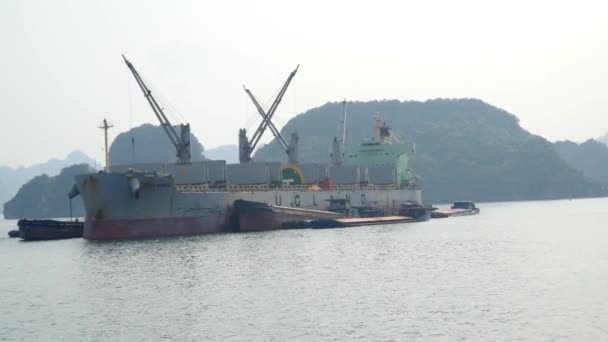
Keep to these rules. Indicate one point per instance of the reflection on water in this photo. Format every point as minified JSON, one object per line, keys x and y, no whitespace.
{"x":534,"y":271}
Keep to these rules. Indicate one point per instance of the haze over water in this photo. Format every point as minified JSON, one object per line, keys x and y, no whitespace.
{"x":527,"y":270}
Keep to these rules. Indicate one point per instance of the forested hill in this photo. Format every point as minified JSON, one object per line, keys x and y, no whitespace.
{"x":47,"y":196}
{"x":151,"y":144}
{"x":590,"y":157}
{"x":11,"y":179}
{"x":466,"y":149}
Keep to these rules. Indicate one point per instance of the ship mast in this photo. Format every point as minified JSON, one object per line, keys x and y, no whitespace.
{"x":181,"y":141}
{"x":337,"y":154}
{"x":105,"y":126}
{"x":246,"y":146}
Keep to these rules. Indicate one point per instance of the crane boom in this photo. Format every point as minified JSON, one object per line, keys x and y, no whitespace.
{"x":181,"y":141}
{"x":266,"y":121}
{"x":268,"y":116}
{"x":247,"y":146}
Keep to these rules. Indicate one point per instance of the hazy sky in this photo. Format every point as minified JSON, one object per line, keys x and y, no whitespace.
{"x":61,"y":71}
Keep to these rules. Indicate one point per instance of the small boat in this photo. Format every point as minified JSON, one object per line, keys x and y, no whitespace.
{"x":462,"y":208}
{"x":13,"y":233}
{"x":30,"y":230}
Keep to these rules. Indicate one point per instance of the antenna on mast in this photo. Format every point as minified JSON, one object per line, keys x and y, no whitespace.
{"x":132,"y":148}
{"x":343,"y":125}
{"x":105,"y":126}
{"x":337,"y":154}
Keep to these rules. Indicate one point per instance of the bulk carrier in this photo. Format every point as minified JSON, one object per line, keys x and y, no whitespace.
{"x":187,"y":198}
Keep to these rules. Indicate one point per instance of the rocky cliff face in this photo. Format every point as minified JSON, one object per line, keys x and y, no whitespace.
{"x":46,"y":197}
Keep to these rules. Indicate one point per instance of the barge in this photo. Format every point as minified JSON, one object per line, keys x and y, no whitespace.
{"x":360,"y":221}
{"x":30,"y":230}
{"x":463,"y":208}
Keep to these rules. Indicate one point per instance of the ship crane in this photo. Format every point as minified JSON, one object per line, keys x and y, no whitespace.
{"x":181,"y":141}
{"x":246,"y":146}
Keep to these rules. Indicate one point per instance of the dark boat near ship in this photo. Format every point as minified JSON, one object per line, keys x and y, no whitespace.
{"x":31,"y":230}
{"x":13,"y":233}
{"x":257,"y":216}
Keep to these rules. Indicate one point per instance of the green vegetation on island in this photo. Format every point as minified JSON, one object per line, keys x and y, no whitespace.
{"x":466,"y":149}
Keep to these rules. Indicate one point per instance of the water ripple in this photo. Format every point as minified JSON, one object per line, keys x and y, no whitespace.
{"x":518,"y":271}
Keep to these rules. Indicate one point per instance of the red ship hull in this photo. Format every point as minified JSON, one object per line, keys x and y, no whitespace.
{"x":138,"y":228}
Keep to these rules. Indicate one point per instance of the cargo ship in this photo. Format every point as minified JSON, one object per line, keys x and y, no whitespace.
{"x":187,"y":198}
{"x":160,"y":203}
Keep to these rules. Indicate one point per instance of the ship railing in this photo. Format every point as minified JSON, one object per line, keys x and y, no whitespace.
{"x":192,"y":187}
{"x":247,"y":187}
{"x":225,"y":187}
{"x":266,"y":187}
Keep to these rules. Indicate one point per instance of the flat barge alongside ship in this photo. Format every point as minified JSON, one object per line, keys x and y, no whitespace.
{"x":463,"y":208}
{"x":31,"y":230}
{"x":360,"y":221}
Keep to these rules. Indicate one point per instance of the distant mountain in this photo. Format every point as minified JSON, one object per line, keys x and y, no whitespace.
{"x":466,"y":149}
{"x":603,"y":139}
{"x":590,"y":157}
{"x":229,"y":153}
{"x":46,"y":197}
{"x":3,"y":192}
{"x":11,"y":179}
{"x":151,"y":145}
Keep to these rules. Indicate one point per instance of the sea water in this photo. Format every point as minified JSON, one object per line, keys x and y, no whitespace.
{"x":534,"y":271}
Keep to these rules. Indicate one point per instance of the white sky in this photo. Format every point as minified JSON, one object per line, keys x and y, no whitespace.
{"x":61,"y":71}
